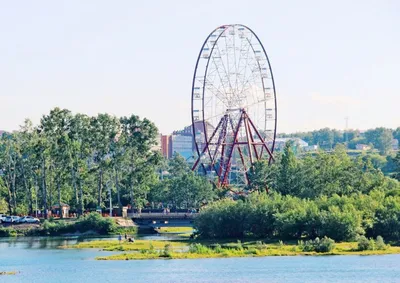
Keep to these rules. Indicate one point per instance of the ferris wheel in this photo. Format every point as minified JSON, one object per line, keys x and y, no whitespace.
{"x":234,"y":108}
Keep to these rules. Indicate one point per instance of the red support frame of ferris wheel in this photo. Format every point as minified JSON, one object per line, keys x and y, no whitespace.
{"x":225,"y":162}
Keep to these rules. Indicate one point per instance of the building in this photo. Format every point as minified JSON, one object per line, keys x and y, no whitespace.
{"x":362,"y":147}
{"x":181,"y":144}
{"x":165,"y":149}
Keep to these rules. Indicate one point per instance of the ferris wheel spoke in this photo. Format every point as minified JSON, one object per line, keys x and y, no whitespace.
{"x":226,"y":73}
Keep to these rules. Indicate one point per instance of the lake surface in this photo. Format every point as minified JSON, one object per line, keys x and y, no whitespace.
{"x":38,"y":260}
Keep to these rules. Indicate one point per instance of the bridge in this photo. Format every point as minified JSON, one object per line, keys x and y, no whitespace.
{"x":157,"y":220}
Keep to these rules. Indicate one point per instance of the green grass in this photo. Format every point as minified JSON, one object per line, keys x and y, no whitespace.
{"x":182,"y":230}
{"x":138,"y":245}
{"x":144,"y":249}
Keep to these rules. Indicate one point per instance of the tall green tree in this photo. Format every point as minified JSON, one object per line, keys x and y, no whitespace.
{"x":381,"y":138}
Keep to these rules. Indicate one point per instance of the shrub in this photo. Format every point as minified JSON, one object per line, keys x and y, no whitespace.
{"x":167,"y":252}
{"x":151,"y":248}
{"x":8,"y":232}
{"x":320,"y":246}
{"x":97,"y":223}
{"x":363,"y":244}
{"x":239,"y":245}
{"x":306,"y":246}
{"x":260,"y":245}
{"x":56,"y":228}
{"x":325,"y":245}
{"x":200,"y":249}
{"x":380,"y":243}
{"x":218,"y":249}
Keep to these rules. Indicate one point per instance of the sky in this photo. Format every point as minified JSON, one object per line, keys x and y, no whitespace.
{"x":330,"y":59}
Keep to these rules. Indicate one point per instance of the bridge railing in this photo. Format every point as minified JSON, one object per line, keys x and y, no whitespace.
{"x":170,"y":215}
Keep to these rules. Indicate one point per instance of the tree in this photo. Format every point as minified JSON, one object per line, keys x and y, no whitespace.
{"x":190,"y":191}
{"x":261,"y":176}
{"x":287,"y":179}
{"x":396,"y":161}
{"x":324,"y":138}
{"x":381,"y":138}
{"x":138,"y":137}
{"x":396,"y":134}
{"x":103,"y":131}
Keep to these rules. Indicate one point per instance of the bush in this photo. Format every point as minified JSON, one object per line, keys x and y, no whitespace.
{"x":218,"y":249}
{"x":167,"y":252}
{"x":239,"y":245}
{"x":363,"y":244}
{"x":91,"y":222}
{"x":260,"y":245}
{"x":200,"y":249}
{"x":380,"y":243}
{"x":325,"y":245}
{"x":97,"y":223}
{"x":56,"y":228}
{"x":8,"y":232}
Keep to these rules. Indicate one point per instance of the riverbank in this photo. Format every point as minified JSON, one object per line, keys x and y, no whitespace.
{"x":185,"y":249}
{"x":90,"y":225}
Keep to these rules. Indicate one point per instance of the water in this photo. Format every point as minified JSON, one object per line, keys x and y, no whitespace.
{"x":37,"y":260}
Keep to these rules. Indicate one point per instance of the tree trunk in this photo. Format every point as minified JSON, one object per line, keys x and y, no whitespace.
{"x":100,"y":187}
{"x":9,"y":200}
{"x":44,"y":189}
{"x":73,"y":175}
{"x":117,"y":187}
{"x":14,"y":188}
{"x":50,"y":186}
{"x":59,"y":193}
{"x":9,"y":192}
{"x":131,"y":192}
{"x":27,"y":189}
{"x":81,"y":207}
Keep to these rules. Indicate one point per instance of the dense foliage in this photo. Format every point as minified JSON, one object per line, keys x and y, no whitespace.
{"x":329,"y":195}
{"x":77,"y":160}
{"x":378,"y":138}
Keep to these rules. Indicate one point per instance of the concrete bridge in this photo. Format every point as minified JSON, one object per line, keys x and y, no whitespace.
{"x":155,"y":220}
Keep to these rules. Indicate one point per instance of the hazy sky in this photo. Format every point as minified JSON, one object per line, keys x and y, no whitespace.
{"x":330,"y":60}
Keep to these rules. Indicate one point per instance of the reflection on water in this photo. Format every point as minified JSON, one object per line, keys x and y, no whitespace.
{"x":45,"y":242}
{"x":55,"y":242}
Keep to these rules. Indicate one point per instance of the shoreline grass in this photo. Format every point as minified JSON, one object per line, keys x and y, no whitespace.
{"x":138,"y":245}
{"x":181,"y":249}
{"x":177,"y":230}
